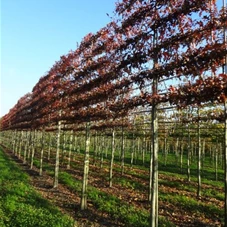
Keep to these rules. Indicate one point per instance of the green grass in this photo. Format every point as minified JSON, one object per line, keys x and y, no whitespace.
{"x":213,"y":193}
{"x":187,"y":203}
{"x":129,"y":183}
{"x":133,"y":216}
{"x":121,"y":210}
{"x":20,"y":205}
{"x":110,"y":204}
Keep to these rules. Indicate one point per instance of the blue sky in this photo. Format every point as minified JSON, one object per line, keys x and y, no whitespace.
{"x":35,"y":33}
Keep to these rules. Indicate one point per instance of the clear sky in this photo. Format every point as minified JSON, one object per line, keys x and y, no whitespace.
{"x":35,"y":33}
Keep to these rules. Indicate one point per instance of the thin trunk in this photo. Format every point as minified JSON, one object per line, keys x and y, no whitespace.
{"x":95,"y":148}
{"x":49,"y":147}
{"x":225,"y":114}
{"x":225,"y":164}
{"x":30,"y":145}
{"x":56,"y":170}
{"x":203,"y":154}
{"x":75,"y":147}
{"x":199,"y":159}
{"x":112,"y":158}
{"x":14,"y":140}
{"x":137,"y":151}
{"x":133,"y":144}
{"x":154,"y":169}
{"x":213,"y":156}
{"x":102,"y":151}
{"x":151,"y":173}
{"x":222,"y":156}
{"x":106,"y":148}
{"x":176,"y":151}
{"x":64,"y":147}
{"x":17,"y":142}
{"x":154,"y":158}
{"x":181,"y":157}
{"x":33,"y":144}
{"x":20,"y":144}
{"x":86,"y":169}
{"x":143,"y":142}
{"x":70,"y":149}
{"x":122,"y":151}
{"x":189,"y":155}
{"x":27,"y":137}
{"x":41,"y":154}
{"x":165,"y":150}
{"x":216,"y":162}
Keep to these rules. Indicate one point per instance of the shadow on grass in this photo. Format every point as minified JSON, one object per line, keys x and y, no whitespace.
{"x":84,"y":218}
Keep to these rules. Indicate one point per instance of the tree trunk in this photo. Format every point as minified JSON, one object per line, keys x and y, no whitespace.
{"x":95,"y":148}
{"x":33,"y":144}
{"x":56,"y":170}
{"x":86,"y":169}
{"x":122,"y":151}
{"x":49,"y":147}
{"x":17,"y":142}
{"x":63,"y":148}
{"x":102,"y":145}
{"x":165,"y":150}
{"x":41,"y":154}
{"x":154,"y":169}
{"x":225,"y":114}
{"x":216,"y":164}
{"x":112,"y":158}
{"x":225,"y":165}
{"x":203,"y":154}
{"x":143,"y":142}
{"x":133,"y":144}
{"x":30,"y":144}
{"x":177,"y":151}
{"x":199,"y":159}
{"x":189,"y":155}
{"x":70,"y":149}
{"x":14,"y":141}
{"x":75,"y":146}
{"x":181,"y":156}
{"x":154,"y":161}
{"x":27,"y":138}
{"x":20,"y":143}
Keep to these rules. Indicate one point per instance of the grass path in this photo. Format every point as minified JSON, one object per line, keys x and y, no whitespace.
{"x":62,"y":198}
{"x":20,"y":204}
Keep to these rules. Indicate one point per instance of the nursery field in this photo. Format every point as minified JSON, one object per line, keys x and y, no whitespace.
{"x":129,"y":129}
{"x":28,"y":199}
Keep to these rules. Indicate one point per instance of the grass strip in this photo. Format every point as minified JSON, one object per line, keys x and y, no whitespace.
{"x":112,"y":205}
{"x":21,"y":205}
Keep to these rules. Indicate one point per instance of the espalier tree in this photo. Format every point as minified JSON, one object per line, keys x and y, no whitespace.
{"x":156,"y":55}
